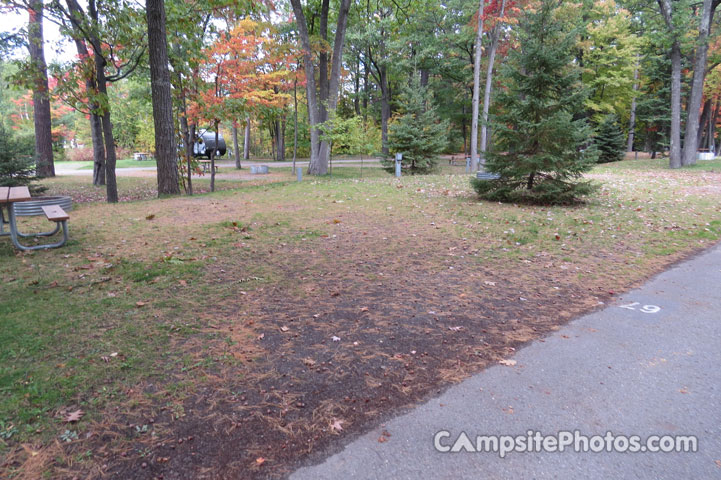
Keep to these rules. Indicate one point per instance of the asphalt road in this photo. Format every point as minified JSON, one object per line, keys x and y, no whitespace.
{"x":649,"y":364}
{"x":76,"y":171}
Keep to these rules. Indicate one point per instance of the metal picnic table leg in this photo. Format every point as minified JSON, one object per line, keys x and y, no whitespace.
{"x":18,"y":245}
{"x":3,"y":222}
{"x":41,"y":234}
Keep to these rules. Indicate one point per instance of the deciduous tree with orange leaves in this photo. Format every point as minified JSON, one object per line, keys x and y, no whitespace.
{"x":245,"y":71}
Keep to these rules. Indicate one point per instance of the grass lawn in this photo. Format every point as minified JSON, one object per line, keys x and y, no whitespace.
{"x":199,"y":335}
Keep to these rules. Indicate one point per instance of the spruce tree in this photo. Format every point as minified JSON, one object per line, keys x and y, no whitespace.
{"x":543,"y":142}
{"x":17,"y":166}
{"x":610,"y":140}
{"x":417,"y":132}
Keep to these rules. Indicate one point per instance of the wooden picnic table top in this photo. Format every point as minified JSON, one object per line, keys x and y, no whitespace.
{"x":14,"y":194}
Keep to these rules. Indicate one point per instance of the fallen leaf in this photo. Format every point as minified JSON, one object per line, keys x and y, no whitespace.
{"x":139,"y":304}
{"x":509,"y":362}
{"x":284,"y":329}
{"x":150,"y":217}
{"x":382,"y":439}
{"x":260,"y":461}
{"x":364,"y":309}
{"x":261,"y":336}
{"x":337,"y":425}
{"x":74,"y":416}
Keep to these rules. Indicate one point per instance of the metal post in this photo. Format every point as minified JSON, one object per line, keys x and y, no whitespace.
{"x":299,"y":173}
{"x":399,"y":158}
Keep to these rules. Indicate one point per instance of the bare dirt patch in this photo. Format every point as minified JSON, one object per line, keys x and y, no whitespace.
{"x":358,"y":324}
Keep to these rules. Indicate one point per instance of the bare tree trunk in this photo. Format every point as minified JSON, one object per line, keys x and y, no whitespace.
{"x":111,"y":186}
{"x":166,"y":154}
{"x":703,"y":123}
{"x":310,"y":87}
{"x":246,"y":140}
{"x":323,"y":86}
{"x":279,"y":139}
{"x":282,"y":137}
{"x":632,"y":115}
{"x":385,"y":108}
{"x":44,"y":165}
{"x":319,"y":151}
{"x":690,"y":146}
{"x":712,"y":129}
{"x":236,"y":152}
{"x":356,"y":88}
{"x":495,"y":39}
{"x":476,"y":87}
{"x":675,"y":147}
{"x":463,"y":130}
{"x":271,"y":131}
{"x":96,"y":135}
{"x":295,"y":122}
{"x":366,"y":91}
{"x":96,"y":126}
{"x":665,"y":7}
{"x":212,"y":157}
{"x":187,"y":140}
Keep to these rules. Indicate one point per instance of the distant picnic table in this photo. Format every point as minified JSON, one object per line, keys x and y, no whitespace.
{"x":206,"y":166}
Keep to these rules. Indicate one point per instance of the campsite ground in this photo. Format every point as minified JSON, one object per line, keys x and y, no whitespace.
{"x":246,"y":330}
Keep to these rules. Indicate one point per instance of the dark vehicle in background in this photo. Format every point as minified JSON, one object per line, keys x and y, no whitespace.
{"x":205,"y":144}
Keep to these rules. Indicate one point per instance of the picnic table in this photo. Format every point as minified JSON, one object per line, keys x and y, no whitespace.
{"x":54,"y":213}
{"x":206,"y":166}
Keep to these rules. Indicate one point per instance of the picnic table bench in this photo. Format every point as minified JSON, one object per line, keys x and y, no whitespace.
{"x":206,"y":166}
{"x":54,"y":213}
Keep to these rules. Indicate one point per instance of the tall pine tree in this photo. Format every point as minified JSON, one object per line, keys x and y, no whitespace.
{"x":543,"y":140}
{"x":417,"y":133}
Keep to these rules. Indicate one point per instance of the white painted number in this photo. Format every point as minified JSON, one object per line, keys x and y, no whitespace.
{"x":644,"y":309}
{"x":629,"y":306}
